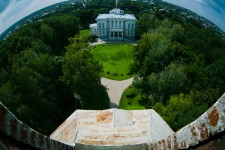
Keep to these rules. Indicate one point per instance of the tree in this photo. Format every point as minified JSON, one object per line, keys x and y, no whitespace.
{"x":81,"y":73}
{"x":145,"y":23}
{"x":179,"y":111}
{"x":169,"y":82}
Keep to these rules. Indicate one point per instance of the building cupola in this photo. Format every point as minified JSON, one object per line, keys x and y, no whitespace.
{"x":117,"y":11}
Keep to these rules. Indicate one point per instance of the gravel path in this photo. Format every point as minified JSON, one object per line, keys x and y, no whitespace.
{"x":115,"y":89}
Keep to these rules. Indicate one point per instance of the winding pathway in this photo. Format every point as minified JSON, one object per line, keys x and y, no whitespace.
{"x":115,"y":89}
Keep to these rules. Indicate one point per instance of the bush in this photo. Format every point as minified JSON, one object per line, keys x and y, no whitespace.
{"x":131,"y":92}
{"x":121,"y":74}
{"x":129,"y":102}
{"x":108,"y":72}
{"x":92,"y":38}
{"x":115,"y":74}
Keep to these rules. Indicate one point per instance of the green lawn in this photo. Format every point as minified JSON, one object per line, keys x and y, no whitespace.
{"x":131,"y":103}
{"x":115,"y":58}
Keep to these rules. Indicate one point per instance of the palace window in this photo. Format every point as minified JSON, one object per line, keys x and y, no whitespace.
{"x":132,"y":26}
{"x":99,"y":25}
{"x":119,"y":23}
{"x":108,"y":24}
{"x":112,"y":24}
{"x":116,"y":24}
{"x":128,"y":26}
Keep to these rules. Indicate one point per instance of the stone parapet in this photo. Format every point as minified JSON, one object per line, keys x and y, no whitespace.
{"x":14,"y":134}
{"x":207,"y":126}
{"x":206,"y":132}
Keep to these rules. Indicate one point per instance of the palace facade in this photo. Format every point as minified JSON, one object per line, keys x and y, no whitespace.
{"x":114,"y":26}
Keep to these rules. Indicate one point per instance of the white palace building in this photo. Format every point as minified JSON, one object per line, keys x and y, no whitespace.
{"x":114,"y":26}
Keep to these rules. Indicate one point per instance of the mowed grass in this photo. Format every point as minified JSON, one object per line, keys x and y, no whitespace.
{"x":116,"y":60}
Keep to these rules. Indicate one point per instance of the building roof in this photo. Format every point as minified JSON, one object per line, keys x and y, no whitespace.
{"x":109,"y":16}
{"x":112,"y":127}
{"x":93,"y":25}
{"x":116,"y":13}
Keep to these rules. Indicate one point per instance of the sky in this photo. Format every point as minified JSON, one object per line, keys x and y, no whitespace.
{"x":11,"y":11}
{"x":213,"y":10}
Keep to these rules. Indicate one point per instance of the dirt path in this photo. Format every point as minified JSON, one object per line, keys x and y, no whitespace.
{"x":115,"y":89}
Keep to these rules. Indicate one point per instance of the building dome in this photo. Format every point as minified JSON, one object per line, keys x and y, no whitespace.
{"x":116,"y":11}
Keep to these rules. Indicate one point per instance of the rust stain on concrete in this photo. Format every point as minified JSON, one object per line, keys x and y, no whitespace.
{"x":41,"y":139}
{"x":13,"y":126}
{"x":193,"y":131}
{"x":84,"y":141}
{"x":169,"y":142}
{"x":23,"y":132}
{"x":213,"y":116}
{"x":32,"y":137}
{"x":164,"y":144}
{"x":183,"y":144}
{"x":105,"y":117}
{"x":204,"y":132}
{"x":175,"y":141}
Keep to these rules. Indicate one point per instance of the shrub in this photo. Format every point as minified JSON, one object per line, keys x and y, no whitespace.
{"x":115,"y":74}
{"x":108,"y":72}
{"x":131,"y":92}
{"x":92,"y":38}
{"x":129,"y":102}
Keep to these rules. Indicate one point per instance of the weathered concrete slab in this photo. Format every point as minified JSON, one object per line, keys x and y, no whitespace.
{"x":113,"y":127}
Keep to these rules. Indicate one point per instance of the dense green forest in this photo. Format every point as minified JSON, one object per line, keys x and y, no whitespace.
{"x":45,"y":77}
{"x":180,"y":69}
{"x":47,"y":71}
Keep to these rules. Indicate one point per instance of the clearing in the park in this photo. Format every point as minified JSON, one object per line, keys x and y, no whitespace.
{"x":116,"y":60}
